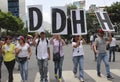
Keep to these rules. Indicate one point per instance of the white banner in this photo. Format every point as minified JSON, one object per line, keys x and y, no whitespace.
{"x":104,"y":21}
{"x":35,"y":18}
{"x":59,"y":20}
{"x":78,"y":22}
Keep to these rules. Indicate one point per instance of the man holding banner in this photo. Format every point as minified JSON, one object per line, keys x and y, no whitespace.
{"x":42,"y":54}
{"x":100,"y":49}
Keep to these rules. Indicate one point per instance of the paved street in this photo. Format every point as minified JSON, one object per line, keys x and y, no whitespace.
{"x":90,"y":68}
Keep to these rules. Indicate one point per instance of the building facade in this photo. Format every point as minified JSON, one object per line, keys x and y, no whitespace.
{"x":79,"y":4}
{"x":13,"y":7}
{"x":3,"y":5}
{"x":16,"y":7}
{"x":94,"y":8}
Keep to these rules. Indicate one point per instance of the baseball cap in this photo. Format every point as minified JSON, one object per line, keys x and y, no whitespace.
{"x":21,"y":38}
{"x":100,"y":31}
{"x":29,"y":36}
{"x":42,"y":31}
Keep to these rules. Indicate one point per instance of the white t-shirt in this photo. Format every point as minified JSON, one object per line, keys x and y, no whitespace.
{"x":42,"y":48}
{"x":91,"y":38}
{"x":79,"y":50}
{"x":24,"y":50}
{"x":113,"y":42}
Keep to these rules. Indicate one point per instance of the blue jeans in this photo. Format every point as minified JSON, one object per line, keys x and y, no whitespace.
{"x":103,"y":57}
{"x":24,"y":70}
{"x":58,"y":66}
{"x":43,"y":68}
{"x":78,"y":60}
{"x":112,"y":50}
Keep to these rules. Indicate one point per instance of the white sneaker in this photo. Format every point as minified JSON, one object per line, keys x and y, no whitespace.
{"x":81,"y":79}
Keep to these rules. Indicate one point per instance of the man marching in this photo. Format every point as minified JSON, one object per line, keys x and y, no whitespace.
{"x":100,"y":49}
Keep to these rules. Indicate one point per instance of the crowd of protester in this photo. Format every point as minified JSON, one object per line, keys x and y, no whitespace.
{"x":21,"y":49}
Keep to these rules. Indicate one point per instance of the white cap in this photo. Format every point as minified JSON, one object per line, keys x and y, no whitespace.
{"x":41,"y":30}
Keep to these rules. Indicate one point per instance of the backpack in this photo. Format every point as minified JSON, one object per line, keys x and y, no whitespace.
{"x":37,"y":45}
{"x":94,"y":37}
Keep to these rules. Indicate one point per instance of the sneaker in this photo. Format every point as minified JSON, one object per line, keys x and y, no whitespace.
{"x":60,"y":79}
{"x":46,"y":80}
{"x":56,"y":76}
{"x":109,"y":77}
{"x":81,"y":79}
{"x":41,"y":80}
{"x":75,"y":75}
{"x":113,"y":60}
{"x":99,"y":75}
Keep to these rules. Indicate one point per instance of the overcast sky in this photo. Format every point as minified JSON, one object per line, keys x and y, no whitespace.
{"x":47,"y":4}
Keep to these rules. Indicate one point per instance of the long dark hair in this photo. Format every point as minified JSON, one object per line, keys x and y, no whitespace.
{"x":8,"y":37}
{"x":74,"y":37}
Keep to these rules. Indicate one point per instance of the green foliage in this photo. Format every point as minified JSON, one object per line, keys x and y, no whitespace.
{"x":70,"y":7}
{"x":10,"y":23}
{"x":48,"y":34}
{"x":92,"y":22}
{"x":114,"y":12}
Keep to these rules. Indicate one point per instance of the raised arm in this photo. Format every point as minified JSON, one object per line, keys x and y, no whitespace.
{"x":77,"y":44}
{"x":48,"y":53}
{"x":34,"y":39}
{"x":83,"y":40}
{"x":51,"y":39}
{"x":29,"y":52}
{"x":61,"y":40}
{"x":110,"y":37}
{"x":95,"y":47}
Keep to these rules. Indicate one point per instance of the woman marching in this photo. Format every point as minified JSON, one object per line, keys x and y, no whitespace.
{"x":9,"y":56}
{"x":24,"y":53}
{"x":78,"y":56}
{"x":58,"y":44}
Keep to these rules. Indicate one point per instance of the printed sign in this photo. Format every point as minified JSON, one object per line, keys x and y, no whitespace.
{"x":59,"y":20}
{"x":78,"y":22}
{"x":104,"y":21}
{"x":35,"y":18}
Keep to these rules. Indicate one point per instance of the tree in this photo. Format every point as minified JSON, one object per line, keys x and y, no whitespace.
{"x":92,"y":22}
{"x":114,"y":14}
{"x":10,"y":23}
